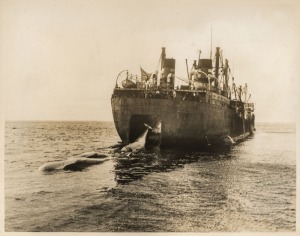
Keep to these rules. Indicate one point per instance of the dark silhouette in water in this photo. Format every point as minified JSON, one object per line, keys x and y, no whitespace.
{"x":75,"y":163}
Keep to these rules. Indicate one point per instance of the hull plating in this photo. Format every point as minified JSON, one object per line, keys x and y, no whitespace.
{"x":182,"y":122}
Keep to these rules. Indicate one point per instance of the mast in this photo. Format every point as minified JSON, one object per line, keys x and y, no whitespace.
{"x":246,"y":92}
{"x":226,"y":75}
{"x":210,"y":42}
{"x":217,"y":62}
{"x":187,"y":69}
{"x":234,"y":89}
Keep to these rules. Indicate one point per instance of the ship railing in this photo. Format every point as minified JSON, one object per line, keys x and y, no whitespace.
{"x":153,"y":90}
{"x":171,"y":94}
{"x":158,"y":92}
{"x":190,"y":95}
{"x":150,"y":84}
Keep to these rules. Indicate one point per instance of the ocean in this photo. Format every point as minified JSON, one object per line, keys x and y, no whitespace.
{"x":248,"y":188}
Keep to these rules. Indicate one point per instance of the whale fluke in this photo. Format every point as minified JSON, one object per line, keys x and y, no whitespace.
{"x":148,"y":126}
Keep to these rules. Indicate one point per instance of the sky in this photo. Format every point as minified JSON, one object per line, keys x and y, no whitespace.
{"x":59,"y":59}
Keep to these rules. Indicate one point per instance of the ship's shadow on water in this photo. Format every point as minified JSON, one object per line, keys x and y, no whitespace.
{"x":144,"y":162}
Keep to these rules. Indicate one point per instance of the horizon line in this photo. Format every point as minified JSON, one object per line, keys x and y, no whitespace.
{"x":56,"y":120}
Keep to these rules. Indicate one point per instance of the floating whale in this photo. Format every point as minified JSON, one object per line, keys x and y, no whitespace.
{"x":93,"y":155}
{"x":228,"y":141}
{"x":139,"y":143}
{"x":75,"y":163}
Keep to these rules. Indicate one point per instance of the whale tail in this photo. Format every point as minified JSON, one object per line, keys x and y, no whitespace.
{"x":148,"y":126}
{"x":139,"y":143}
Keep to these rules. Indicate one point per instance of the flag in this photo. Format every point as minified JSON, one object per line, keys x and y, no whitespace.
{"x":144,"y":75}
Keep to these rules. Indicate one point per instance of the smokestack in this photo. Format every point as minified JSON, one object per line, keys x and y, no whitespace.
{"x":163,"y":56}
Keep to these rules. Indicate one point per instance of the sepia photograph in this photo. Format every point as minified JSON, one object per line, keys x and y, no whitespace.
{"x":155,"y":116}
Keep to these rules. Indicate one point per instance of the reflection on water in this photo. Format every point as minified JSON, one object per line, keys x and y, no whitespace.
{"x":137,"y":165}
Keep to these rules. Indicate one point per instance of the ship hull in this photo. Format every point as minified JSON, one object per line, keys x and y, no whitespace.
{"x":182,"y":123}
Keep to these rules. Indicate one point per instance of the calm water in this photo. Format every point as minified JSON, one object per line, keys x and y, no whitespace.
{"x":251,"y":187}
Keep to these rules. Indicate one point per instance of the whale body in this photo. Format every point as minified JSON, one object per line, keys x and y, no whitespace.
{"x":73,"y":164}
{"x":93,"y":155}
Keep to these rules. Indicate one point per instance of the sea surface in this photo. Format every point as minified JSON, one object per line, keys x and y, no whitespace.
{"x":249,"y":188}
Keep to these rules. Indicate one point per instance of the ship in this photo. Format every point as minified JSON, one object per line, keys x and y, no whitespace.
{"x":205,"y":109}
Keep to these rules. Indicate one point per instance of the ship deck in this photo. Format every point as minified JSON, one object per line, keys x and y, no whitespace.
{"x":203,"y":95}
